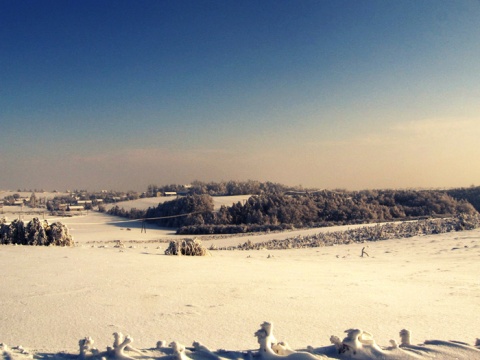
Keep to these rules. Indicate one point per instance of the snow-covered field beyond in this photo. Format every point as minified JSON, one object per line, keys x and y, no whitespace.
{"x":53,"y":297}
{"x":145,"y":203}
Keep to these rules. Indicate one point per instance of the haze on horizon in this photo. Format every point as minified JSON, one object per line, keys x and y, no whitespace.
{"x":326,"y":94}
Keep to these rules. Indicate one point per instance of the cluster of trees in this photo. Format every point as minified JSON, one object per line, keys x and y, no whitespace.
{"x":33,"y":201}
{"x":35,"y":232}
{"x":346,"y":207}
{"x":471,"y":194}
{"x":326,"y":208}
{"x":54,"y":204}
{"x":223,"y":188}
{"x":194,"y":214}
{"x":188,"y":210}
{"x":133,"y":213}
{"x":10,"y":199}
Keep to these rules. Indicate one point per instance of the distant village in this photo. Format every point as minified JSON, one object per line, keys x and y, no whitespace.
{"x":73,"y":201}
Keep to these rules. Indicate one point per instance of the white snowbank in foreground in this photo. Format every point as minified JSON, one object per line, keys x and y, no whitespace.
{"x":357,"y":344}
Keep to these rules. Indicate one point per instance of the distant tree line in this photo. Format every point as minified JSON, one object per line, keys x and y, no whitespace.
{"x":133,"y":213}
{"x":35,"y":232}
{"x":223,"y":188}
{"x":194,"y":214}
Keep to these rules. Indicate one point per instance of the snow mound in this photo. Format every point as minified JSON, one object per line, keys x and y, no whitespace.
{"x":357,"y":344}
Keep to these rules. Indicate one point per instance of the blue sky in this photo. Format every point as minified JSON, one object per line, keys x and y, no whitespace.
{"x":327,"y":94}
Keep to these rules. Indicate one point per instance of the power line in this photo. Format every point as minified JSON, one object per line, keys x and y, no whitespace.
{"x":135,"y":220}
{"x":126,"y":221}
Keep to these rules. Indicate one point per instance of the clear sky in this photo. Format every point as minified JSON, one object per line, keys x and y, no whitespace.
{"x":328,"y":94}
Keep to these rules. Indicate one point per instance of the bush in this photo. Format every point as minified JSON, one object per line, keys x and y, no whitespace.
{"x":189,"y":247}
{"x":58,"y":235}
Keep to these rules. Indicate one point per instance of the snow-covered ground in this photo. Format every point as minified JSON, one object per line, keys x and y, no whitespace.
{"x":53,"y":297}
{"x":145,"y":203}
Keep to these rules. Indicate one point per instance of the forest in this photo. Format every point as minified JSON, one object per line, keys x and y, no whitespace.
{"x":276,"y":207}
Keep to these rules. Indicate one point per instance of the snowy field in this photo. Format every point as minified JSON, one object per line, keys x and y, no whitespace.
{"x":53,"y":297}
{"x":145,"y":203}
